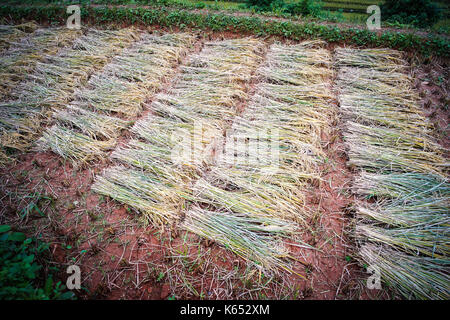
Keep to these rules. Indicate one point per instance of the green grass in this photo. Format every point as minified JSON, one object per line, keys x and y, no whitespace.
{"x":25,"y":270}
{"x":333,"y":10}
{"x":172,"y":17}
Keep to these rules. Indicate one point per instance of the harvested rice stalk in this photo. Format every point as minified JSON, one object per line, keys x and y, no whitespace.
{"x":191,"y":114}
{"x":414,"y":213}
{"x":298,"y":114}
{"x":303,"y":64}
{"x":430,"y":240}
{"x":375,"y":158}
{"x":269,"y":180}
{"x":246,"y":203}
{"x":418,"y":201}
{"x":212,"y":82}
{"x":4,"y":159}
{"x":378,"y":59}
{"x":13,"y":116}
{"x":293,"y":143}
{"x":55,"y":79}
{"x":402,"y":185}
{"x":10,"y":35}
{"x":178,"y":111}
{"x":123,"y":86}
{"x":72,"y":145}
{"x":113,"y":94}
{"x":18,"y":125}
{"x":169,"y":106}
{"x":252,"y":238}
{"x":379,"y":110}
{"x":177,"y":147}
{"x":402,"y":150}
{"x":405,"y":232}
{"x":154,"y":159}
{"x":129,"y":78}
{"x":412,"y":276}
{"x":92,"y":124}
{"x":20,"y":60}
{"x":379,"y":82}
{"x":157,"y":199}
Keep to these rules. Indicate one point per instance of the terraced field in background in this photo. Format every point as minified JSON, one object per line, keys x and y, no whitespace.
{"x":91,"y":115}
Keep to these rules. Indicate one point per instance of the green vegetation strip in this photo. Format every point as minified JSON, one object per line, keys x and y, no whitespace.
{"x":167,"y":17}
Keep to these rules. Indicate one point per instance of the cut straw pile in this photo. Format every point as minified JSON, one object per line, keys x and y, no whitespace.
{"x":283,"y":121}
{"x":91,"y":124}
{"x":54,"y":81}
{"x":405,"y":232}
{"x":10,"y":34}
{"x":259,"y":198}
{"x":253,"y":238}
{"x":24,"y":46}
{"x":204,"y":94}
{"x":44,"y":77}
{"x":21,"y":59}
{"x":246,"y":207}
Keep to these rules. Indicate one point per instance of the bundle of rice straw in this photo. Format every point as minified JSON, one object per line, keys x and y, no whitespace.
{"x":120,"y":89}
{"x":48,"y":77}
{"x":11,"y":34}
{"x":405,"y":232}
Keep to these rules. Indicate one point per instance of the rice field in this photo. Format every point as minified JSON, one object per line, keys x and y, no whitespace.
{"x":48,"y":77}
{"x":404,"y":232}
{"x":227,"y":139}
{"x":219,"y":69}
{"x":89,"y":126}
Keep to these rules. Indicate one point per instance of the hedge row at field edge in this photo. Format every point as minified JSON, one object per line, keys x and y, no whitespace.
{"x":167,"y":17}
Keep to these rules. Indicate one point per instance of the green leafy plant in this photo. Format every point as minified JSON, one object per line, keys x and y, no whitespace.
{"x":21,"y":273}
{"x":304,"y":7}
{"x":262,"y":5}
{"x":421,"y":13}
